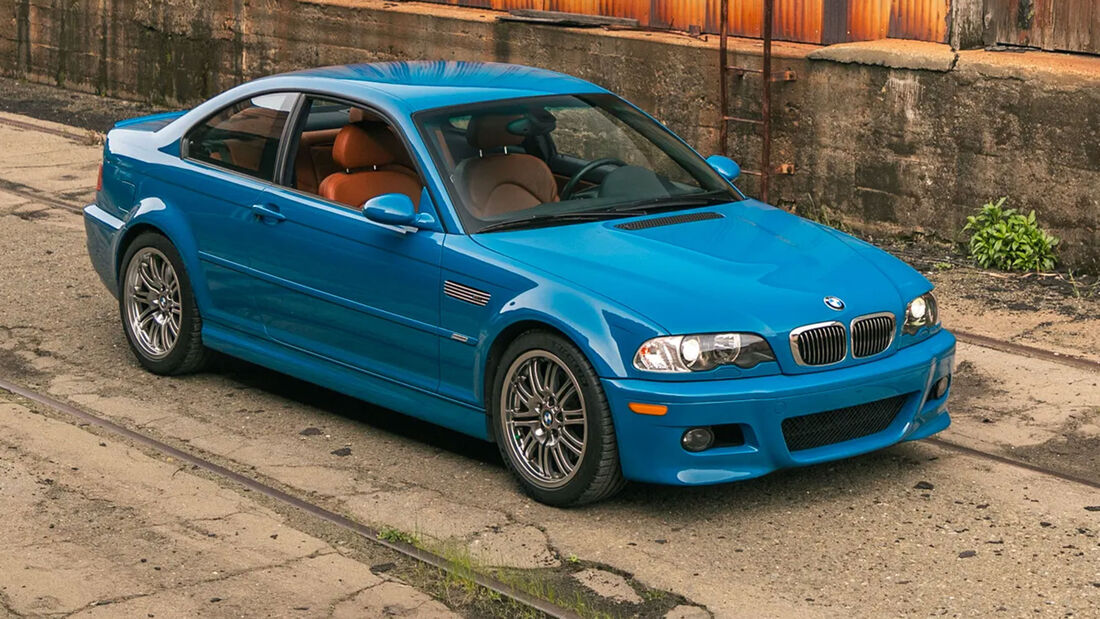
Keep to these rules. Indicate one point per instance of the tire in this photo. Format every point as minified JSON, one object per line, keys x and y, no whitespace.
{"x":150,"y":315}
{"x":538,"y":428}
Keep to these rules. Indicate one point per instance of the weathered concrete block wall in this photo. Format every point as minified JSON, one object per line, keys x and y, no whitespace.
{"x":881,"y":144}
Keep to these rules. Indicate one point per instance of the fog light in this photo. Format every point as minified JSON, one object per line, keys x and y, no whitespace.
{"x":940,"y":388}
{"x":697,"y":439}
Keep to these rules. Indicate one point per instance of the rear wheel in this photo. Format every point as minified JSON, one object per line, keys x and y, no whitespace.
{"x":158,"y":310}
{"x":553,"y":424}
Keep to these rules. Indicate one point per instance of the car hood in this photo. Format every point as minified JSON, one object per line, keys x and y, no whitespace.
{"x":747,"y":266}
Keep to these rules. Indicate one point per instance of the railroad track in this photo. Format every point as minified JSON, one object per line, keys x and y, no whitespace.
{"x":30,"y":193}
{"x":420,"y":555}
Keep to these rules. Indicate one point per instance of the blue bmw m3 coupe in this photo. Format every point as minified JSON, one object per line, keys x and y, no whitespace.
{"x":520,"y":256}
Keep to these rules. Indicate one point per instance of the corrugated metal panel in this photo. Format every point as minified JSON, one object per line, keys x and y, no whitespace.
{"x":683,"y":14}
{"x":1077,"y":26}
{"x":807,"y":21}
{"x":924,"y":20}
{"x":746,"y":18}
{"x":868,"y":19}
{"x":1061,"y":25}
{"x":798,"y":20}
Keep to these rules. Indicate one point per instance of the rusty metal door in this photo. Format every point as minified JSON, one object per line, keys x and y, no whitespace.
{"x":1056,"y":25}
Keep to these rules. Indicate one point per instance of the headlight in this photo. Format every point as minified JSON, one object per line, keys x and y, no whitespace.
{"x":921,"y":312}
{"x":697,"y":353}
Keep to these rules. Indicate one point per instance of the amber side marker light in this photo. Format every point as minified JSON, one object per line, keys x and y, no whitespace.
{"x":648,"y":409}
{"x":99,"y":179}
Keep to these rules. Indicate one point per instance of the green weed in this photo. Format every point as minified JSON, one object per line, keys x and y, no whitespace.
{"x":391,"y":534}
{"x":1007,"y":240}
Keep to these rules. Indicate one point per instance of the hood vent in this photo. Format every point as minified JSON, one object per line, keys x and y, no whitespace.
{"x":670,"y":220}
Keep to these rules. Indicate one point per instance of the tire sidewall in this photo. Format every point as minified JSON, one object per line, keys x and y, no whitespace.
{"x":188,"y":311}
{"x":597,"y":414}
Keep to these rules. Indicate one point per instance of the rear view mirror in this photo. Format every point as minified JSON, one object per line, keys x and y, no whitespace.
{"x":727,"y":168}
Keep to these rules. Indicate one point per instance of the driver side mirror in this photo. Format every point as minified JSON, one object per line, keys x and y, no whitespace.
{"x":725,"y":167}
{"x":395,"y":209}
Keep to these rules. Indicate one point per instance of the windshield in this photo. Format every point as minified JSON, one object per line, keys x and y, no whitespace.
{"x":560,"y":159}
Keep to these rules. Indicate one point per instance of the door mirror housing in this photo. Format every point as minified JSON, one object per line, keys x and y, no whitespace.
{"x":395,"y":209}
{"x":726,"y":168}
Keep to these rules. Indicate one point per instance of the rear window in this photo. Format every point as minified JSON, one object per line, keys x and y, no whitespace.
{"x":244,"y":137}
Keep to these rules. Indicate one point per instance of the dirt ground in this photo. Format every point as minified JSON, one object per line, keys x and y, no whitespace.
{"x":97,"y":528}
{"x":914,"y":529}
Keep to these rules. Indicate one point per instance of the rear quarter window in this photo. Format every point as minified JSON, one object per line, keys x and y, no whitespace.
{"x":243,"y":137}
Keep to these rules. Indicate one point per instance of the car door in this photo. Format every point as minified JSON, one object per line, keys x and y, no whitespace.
{"x":228,"y":161}
{"x":339,"y":286}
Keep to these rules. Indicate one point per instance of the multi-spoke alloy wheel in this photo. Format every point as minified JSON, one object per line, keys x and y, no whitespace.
{"x":153,"y":305}
{"x":552,"y":422}
{"x":544,"y":418}
{"x":157,"y":307}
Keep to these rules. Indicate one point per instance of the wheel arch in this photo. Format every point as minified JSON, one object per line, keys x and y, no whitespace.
{"x":156,"y":216}
{"x":598,"y":331}
{"x":127,"y":238}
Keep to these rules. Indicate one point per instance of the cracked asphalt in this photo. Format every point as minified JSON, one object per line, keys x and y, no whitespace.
{"x":97,"y":528}
{"x":914,"y":529}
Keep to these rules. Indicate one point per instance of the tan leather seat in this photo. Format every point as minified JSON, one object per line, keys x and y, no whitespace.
{"x":314,"y":161}
{"x":362,"y":159}
{"x":497,"y":183}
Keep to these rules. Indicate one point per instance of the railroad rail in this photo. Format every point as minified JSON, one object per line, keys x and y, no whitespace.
{"x":408,"y":550}
{"x":71,"y":135}
{"x":30,"y":193}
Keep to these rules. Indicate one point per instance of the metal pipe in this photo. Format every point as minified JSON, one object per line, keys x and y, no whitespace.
{"x":766,"y":154}
{"x":723,"y":77}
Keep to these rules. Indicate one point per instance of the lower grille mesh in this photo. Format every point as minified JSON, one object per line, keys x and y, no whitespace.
{"x":842,"y":424}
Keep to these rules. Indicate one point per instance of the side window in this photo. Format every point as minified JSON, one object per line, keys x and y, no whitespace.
{"x":243,"y":137}
{"x":348,"y":155}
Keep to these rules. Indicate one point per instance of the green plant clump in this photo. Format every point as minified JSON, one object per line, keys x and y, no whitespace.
{"x":391,"y":534}
{"x":1007,"y":240}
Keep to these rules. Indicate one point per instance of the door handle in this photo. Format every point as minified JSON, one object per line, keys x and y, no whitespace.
{"x":268,"y":213}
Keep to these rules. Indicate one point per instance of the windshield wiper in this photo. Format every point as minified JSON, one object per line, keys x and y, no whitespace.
{"x":709,"y":198}
{"x":537,"y":221}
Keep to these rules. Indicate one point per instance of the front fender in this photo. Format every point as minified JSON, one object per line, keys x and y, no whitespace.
{"x":595,"y":327}
{"x":519,"y":298}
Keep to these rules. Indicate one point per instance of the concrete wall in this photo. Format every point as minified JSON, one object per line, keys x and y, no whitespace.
{"x":895,"y":135}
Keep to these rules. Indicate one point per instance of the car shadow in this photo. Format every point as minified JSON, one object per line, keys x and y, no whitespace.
{"x":309,"y":394}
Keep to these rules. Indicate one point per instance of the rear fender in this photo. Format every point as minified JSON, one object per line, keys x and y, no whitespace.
{"x":157,"y":215}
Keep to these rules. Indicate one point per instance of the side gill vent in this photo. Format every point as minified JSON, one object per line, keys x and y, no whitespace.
{"x":465,"y":293}
{"x":670,"y":220}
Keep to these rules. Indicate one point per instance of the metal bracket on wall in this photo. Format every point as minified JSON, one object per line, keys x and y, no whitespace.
{"x":764,"y":122}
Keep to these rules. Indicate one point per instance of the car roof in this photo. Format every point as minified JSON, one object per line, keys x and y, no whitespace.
{"x":420,"y":85}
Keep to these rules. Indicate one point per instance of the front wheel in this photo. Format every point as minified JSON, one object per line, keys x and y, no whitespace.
{"x":552,"y":422}
{"x":159,"y":314}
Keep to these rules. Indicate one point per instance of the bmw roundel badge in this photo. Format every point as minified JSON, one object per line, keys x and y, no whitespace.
{"x":834,"y":303}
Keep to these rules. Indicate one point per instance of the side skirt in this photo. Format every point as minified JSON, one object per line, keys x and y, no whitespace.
{"x":430,"y":407}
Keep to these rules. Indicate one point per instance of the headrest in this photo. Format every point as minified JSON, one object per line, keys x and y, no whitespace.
{"x":486,"y":132}
{"x":356,"y":115}
{"x":355,"y":148}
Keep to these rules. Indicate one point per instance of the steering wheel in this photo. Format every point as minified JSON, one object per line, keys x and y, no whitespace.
{"x":567,"y":191}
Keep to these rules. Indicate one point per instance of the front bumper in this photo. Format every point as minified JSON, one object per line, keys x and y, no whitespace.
{"x":649,"y":446}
